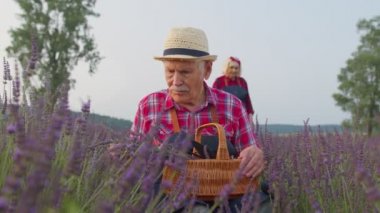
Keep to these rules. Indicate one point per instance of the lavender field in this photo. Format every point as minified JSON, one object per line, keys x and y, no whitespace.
{"x":55,"y":162}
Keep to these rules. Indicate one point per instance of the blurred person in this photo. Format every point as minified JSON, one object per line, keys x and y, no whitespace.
{"x":188,"y":102}
{"x":232,"y":82}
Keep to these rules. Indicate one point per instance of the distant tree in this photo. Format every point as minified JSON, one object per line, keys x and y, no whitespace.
{"x":56,"y":34}
{"x":360,"y":80}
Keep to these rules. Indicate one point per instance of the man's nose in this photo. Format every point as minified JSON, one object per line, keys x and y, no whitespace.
{"x":177,"y":79}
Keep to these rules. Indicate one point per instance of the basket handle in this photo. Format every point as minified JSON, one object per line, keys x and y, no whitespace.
{"x":222,"y":152}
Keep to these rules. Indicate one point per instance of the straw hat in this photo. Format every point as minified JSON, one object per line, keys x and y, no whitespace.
{"x":186,"y":43}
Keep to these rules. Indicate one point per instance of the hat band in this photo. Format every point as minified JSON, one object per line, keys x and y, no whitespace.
{"x":184,"y":51}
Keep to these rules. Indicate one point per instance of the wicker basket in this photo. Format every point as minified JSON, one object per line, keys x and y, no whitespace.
{"x":211,"y":174}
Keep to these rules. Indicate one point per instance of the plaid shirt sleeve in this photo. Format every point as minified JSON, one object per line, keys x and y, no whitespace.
{"x":148,"y":111}
{"x":244,"y":132}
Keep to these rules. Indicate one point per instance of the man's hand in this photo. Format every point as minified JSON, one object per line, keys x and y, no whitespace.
{"x":252,"y":161}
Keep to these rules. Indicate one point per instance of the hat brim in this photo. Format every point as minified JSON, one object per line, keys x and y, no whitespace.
{"x":185,"y":58}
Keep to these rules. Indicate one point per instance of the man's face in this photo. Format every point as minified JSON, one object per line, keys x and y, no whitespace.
{"x":233,"y":69}
{"x":185,"y":81}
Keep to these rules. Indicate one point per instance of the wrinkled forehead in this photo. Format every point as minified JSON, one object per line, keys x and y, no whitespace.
{"x":183,"y":64}
{"x":180,"y":62}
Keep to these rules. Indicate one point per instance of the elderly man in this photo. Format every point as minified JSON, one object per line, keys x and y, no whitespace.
{"x":189,"y":102}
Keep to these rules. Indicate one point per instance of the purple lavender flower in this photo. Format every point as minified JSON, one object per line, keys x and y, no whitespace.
{"x":373,"y":194}
{"x":7,"y":72}
{"x":165,"y":184}
{"x":129,"y":179}
{"x":361,"y":173}
{"x":44,"y":153}
{"x":3,"y":204}
{"x":86,"y":109}
{"x":16,"y":86}
{"x":106,"y":207}
{"x":5,"y":63}
{"x":5,"y":104}
{"x":11,"y":128}
{"x":76,"y":159}
{"x":34,"y":56}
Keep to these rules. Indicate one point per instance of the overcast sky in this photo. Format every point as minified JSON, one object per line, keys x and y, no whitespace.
{"x":291,"y":51}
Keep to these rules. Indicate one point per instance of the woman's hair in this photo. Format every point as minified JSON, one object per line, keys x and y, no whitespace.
{"x":227,"y":64}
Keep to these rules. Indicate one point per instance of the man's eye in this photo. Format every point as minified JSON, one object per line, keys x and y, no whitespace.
{"x":185,"y":72}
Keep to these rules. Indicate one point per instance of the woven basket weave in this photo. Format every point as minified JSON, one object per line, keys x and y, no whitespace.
{"x":211,"y":174}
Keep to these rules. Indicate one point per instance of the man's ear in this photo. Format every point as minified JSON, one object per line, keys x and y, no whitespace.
{"x":208,"y":69}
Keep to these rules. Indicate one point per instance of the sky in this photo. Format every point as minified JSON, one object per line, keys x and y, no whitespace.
{"x":291,"y":51}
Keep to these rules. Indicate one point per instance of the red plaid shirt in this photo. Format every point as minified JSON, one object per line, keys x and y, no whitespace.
{"x":154,"y":111}
{"x":223,"y":81}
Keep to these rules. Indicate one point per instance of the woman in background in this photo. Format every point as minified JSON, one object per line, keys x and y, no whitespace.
{"x":232,"y":82}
